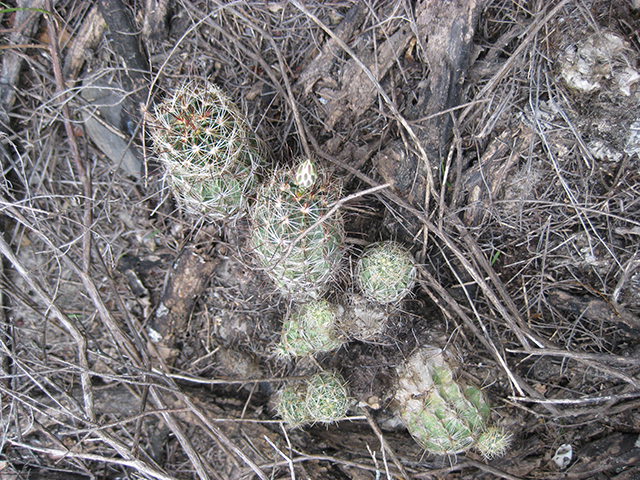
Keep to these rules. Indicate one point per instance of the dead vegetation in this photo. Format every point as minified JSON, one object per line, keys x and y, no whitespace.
{"x":509,"y":135}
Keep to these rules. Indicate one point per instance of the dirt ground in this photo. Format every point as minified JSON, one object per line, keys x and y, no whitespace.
{"x":507,"y":133}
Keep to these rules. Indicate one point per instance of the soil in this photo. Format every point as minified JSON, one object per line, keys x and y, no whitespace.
{"x":139,"y":341}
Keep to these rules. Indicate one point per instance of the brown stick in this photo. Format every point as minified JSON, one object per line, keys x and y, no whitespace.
{"x":385,"y":445}
{"x":85,"y":176}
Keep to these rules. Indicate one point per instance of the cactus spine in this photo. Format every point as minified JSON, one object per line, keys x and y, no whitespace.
{"x":324,"y":399}
{"x":386,"y":272}
{"x":444,"y":415}
{"x":300,"y":252}
{"x":311,"y":330}
{"x":210,"y":155}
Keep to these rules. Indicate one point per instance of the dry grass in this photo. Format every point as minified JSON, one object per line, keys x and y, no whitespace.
{"x":539,"y":292}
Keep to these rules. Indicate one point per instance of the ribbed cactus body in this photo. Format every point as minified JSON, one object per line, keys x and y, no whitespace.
{"x":386,"y":272}
{"x":323,"y":398}
{"x":284,"y":210}
{"x":311,"y":329}
{"x":209,"y":153}
{"x":443,"y":414}
{"x":292,"y":405}
{"x":327,"y":397}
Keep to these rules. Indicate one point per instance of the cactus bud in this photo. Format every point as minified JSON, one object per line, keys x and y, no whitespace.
{"x":306,"y":175}
{"x":493,"y":443}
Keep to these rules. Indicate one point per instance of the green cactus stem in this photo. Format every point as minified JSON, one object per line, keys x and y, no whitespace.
{"x":210,"y":155}
{"x":310,"y":330}
{"x":299,"y":248}
{"x":324,"y":398}
{"x":386,"y":272}
{"x":443,"y":414}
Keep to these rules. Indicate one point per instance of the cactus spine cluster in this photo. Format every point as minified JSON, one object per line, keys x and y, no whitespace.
{"x":322,"y":399}
{"x":311,"y":329}
{"x":299,"y":248}
{"x":209,"y":152}
{"x":386,"y":272}
{"x":443,"y":414}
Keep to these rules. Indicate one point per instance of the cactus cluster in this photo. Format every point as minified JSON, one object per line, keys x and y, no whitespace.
{"x":299,"y":248}
{"x":445,"y":415}
{"x":210,"y":155}
{"x":311,"y":329}
{"x":386,"y":272}
{"x":322,"y":399}
{"x":212,"y":162}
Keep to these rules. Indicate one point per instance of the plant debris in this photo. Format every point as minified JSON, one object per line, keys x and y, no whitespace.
{"x":498,"y":141}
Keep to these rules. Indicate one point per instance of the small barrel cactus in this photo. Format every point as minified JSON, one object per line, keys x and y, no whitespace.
{"x":210,"y":155}
{"x":493,"y":443}
{"x":323,"y":398}
{"x":443,"y":414}
{"x":327,"y":397}
{"x":292,"y":405}
{"x":299,"y":251}
{"x":311,"y":329}
{"x":386,"y":272}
